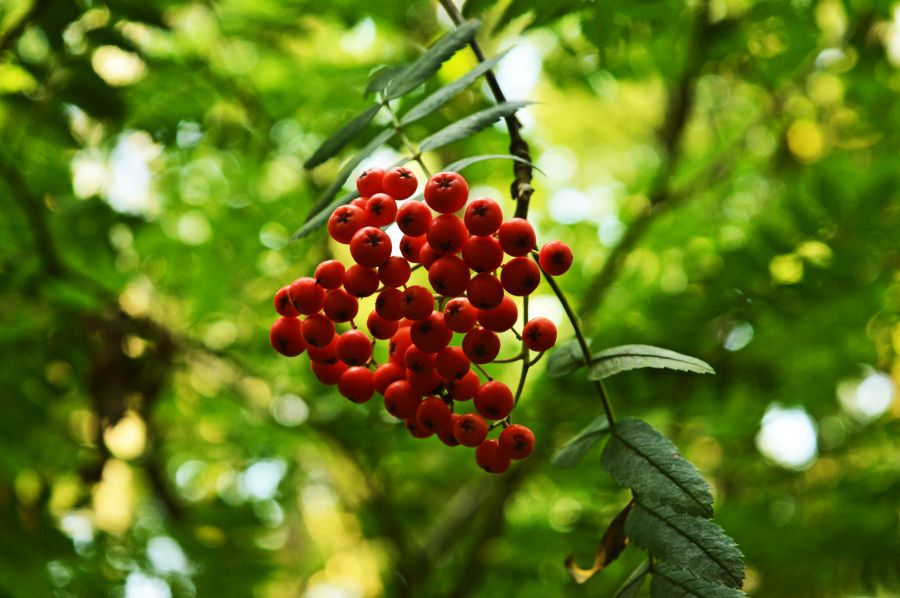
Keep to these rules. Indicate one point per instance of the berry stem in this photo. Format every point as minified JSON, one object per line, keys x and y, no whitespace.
{"x":416,"y":155}
{"x":525,"y":362}
{"x":585,"y":351}
{"x":510,"y":359}
{"x":481,"y":369}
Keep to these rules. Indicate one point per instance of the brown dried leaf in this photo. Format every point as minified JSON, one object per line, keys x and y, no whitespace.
{"x":611,"y":546}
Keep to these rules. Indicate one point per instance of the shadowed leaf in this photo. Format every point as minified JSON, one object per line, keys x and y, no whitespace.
{"x":611,"y":546}
{"x":640,"y":458}
{"x":466,"y":162}
{"x":632,"y":585}
{"x":470,"y":125}
{"x":695,"y":543}
{"x":336,"y":142}
{"x":566,"y":358}
{"x":670,"y":581}
{"x":571,"y":453}
{"x":629,"y":357}
{"x":429,"y":62}
{"x":382,"y":77}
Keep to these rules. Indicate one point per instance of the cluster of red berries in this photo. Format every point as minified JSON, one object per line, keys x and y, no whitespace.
{"x":425,"y":376}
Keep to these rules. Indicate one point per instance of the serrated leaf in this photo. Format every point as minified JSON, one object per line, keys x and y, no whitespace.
{"x":640,"y":458}
{"x":694,"y":543}
{"x":335,"y":186}
{"x":470,"y":125}
{"x":630,"y":586}
{"x":347,"y":133}
{"x":428,"y":63}
{"x":611,"y":546}
{"x":670,"y":581}
{"x":446,"y":93}
{"x":566,"y":358}
{"x":571,"y":453}
{"x":379,"y":79}
{"x":629,"y":357}
{"x":466,"y":162}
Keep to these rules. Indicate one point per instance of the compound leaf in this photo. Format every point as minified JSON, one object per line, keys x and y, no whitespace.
{"x":470,"y":125}
{"x":345,"y":135}
{"x":571,"y":453}
{"x":670,"y":581}
{"x":629,"y":357}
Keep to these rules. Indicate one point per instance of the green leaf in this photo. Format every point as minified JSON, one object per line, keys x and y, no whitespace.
{"x":630,"y":586}
{"x":629,"y":357}
{"x":566,"y":358}
{"x":639,"y":457}
{"x":571,"y":453}
{"x":470,"y":125}
{"x":382,"y":76}
{"x":670,"y":581}
{"x":695,"y":543}
{"x":332,"y":190}
{"x":429,"y":62}
{"x":466,"y":162}
{"x":446,"y":93}
{"x":348,"y":132}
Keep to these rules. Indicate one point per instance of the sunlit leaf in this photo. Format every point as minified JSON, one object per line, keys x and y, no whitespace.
{"x":380,"y":79}
{"x":466,"y":162}
{"x":470,"y":125}
{"x":446,"y":93}
{"x":670,"y":581}
{"x":640,"y":458}
{"x":429,"y":62}
{"x":632,"y":585}
{"x":571,"y":453}
{"x":347,"y":133}
{"x":611,"y":546}
{"x":629,"y":357}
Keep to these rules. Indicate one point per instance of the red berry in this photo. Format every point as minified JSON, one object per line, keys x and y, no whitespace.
{"x":395,"y":272}
{"x":370,"y":247}
{"x":520,"y":276}
{"x":501,"y":318}
{"x":359,"y":202}
{"x":328,"y":373}
{"x":354,"y":347}
{"x":387,"y":373}
{"x":427,"y":255}
{"x":286,"y":337}
{"x":433,"y":414}
{"x":413,"y":218}
{"x":464,"y":388}
{"x":431,"y":334}
{"x":555,"y":258}
{"x":341,"y":306}
{"x":399,"y":182}
{"x":424,"y":383}
{"x":356,"y":384}
{"x":389,"y":304}
{"x":446,"y":435}
{"x":330,"y":274}
{"x":360,"y":281}
{"x":485,"y":291}
{"x":460,"y":315}
{"x":344,"y":222}
{"x":490,"y":458}
{"x":516,"y":441}
{"x":318,"y":330}
{"x":416,"y":431}
{"x":326,"y":354}
{"x":494,"y":400}
{"x":418,"y":361}
{"x":481,"y":345}
{"x":410,"y":247}
{"x":418,"y":303}
{"x":517,"y":236}
{"x":482,"y":254}
{"x":381,"y":209}
{"x":369,"y":182}
{"x":470,"y":429}
{"x":399,"y":344}
{"x":446,"y":234}
{"x":448,"y":276}
{"x":446,"y":192}
{"x":380,"y":328}
{"x":483,"y":217}
{"x":306,"y":295}
{"x":401,"y":400}
{"x":539,"y":334}
{"x":452,"y":363}
{"x":283,"y":304}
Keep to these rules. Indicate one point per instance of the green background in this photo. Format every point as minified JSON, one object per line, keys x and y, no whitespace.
{"x":726,"y":174}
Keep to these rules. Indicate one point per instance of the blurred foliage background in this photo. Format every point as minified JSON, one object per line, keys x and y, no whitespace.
{"x":727,"y":174}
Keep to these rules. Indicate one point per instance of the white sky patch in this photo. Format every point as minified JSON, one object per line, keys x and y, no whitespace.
{"x":141,"y":585}
{"x":359,"y":39}
{"x":866,"y":399}
{"x":788,"y":437}
{"x":129,"y":187}
{"x":395,"y":234}
{"x":520,"y":70}
{"x":738,"y":337}
{"x":892,"y":38}
{"x":117,"y":66}
{"x":546,"y":306}
{"x":289,"y":410}
{"x":166,"y":555}
{"x":561,"y":161}
{"x":610,"y":230}
{"x":262,"y":478}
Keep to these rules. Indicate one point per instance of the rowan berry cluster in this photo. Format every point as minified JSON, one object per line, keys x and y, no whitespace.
{"x":472,"y":283}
